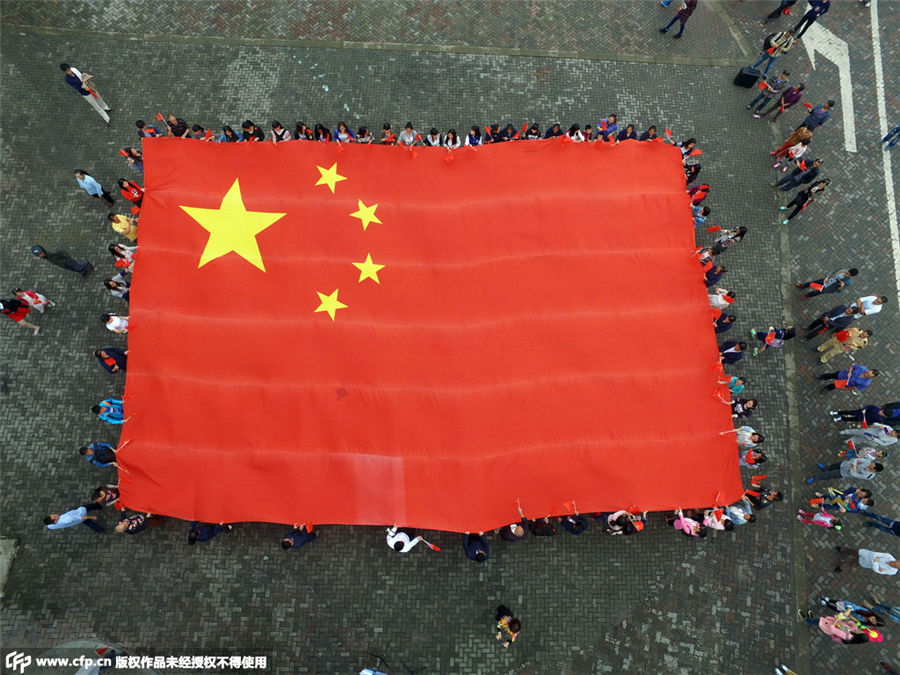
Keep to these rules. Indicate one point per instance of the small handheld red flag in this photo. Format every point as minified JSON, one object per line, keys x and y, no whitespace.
{"x":761,"y":84}
{"x":816,"y":287}
{"x":695,"y":152}
{"x":808,"y":106}
{"x":208,"y":135}
{"x":603,"y":125}
{"x":123,"y":153}
{"x":668,"y":132}
{"x":160,"y":117}
{"x":714,"y":228}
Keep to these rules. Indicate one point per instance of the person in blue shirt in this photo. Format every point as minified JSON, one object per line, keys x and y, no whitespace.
{"x":818,"y":116}
{"x":56,"y":521}
{"x":92,"y":187}
{"x":607,"y":127}
{"x":869,"y":414}
{"x":205,"y":531}
{"x":229,"y":136}
{"x":857,"y":377}
{"x":99,"y":454}
{"x":700,"y":213}
{"x":110,"y":410}
{"x":145,"y":130}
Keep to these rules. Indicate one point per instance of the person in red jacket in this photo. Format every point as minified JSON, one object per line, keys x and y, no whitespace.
{"x":684,"y":13}
{"x":131,"y":191}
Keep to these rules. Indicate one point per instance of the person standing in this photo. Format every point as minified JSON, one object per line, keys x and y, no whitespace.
{"x":57,"y":521}
{"x":772,"y":85}
{"x":881,"y":563}
{"x":835,"y":318}
{"x":92,"y":187}
{"x":83,"y":84}
{"x":883,"y":524}
{"x":857,"y":377}
{"x":860,"y":468}
{"x":842,"y":342}
{"x":784,"y":7}
{"x":124,"y":225}
{"x":788,"y":99}
{"x":112,"y":359}
{"x":799,"y":176}
{"x":476,"y":547}
{"x":99,"y":454}
{"x":877,"y":433}
{"x":400,"y":540}
{"x":63,"y":259}
{"x":17,"y":310}
{"x":110,"y":410}
{"x":816,"y":9}
{"x":799,"y":134}
{"x":804,"y":198}
{"x":774,"y":46}
{"x":298,"y":536}
{"x":892,"y":137}
{"x":869,"y":414}
{"x":508,"y":626}
{"x":684,"y":13}
{"x":832,"y":283}
{"x":870,"y":304}
{"x":34,"y":299}
{"x":818,"y":116}
{"x":205,"y":531}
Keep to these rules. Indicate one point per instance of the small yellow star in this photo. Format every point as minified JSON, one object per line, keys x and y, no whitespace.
{"x":232,"y":227}
{"x":366,"y":214}
{"x":329,"y":177}
{"x":329,"y":303}
{"x":368,"y":269}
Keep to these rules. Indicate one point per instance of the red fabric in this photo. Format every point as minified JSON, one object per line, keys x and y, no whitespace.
{"x":510,"y":353}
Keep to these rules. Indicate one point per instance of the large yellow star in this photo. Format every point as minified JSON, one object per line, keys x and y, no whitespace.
{"x":366,"y":213}
{"x":329,"y":177}
{"x":329,"y":303}
{"x":232,"y":227}
{"x":368,"y":269}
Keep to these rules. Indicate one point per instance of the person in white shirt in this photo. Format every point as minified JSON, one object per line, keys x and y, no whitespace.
{"x":400,"y":541}
{"x":721,"y":298}
{"x":878,"y":433}
{"x":452,"y":140}
{"x":870,"y":304}
{"x":117,"y":324}
{"x":882,"y":563}
{"x":434,"y":138}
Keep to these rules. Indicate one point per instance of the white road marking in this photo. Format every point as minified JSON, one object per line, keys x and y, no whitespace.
{"x":885,"y":154}
{"x":819,"y":39}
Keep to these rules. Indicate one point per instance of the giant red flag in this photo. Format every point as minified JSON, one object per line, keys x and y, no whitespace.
{"x":366,"y":335}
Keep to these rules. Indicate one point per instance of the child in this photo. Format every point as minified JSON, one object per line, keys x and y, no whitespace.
{"x":508,"y":626}
{"x":774,"y":338}
{"x":821,"y":518}
{"x":34,"y":300}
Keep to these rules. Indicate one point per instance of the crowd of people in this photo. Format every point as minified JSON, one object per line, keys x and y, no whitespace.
{"x":862,"y":458}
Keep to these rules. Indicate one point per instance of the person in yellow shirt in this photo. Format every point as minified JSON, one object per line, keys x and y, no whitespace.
{"x":124,"y":225}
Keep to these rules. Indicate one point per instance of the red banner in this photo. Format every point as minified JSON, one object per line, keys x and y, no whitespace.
{"x":375,"y":336}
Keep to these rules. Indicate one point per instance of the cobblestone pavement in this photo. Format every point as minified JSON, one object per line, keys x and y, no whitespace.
{"x":590,"y":605}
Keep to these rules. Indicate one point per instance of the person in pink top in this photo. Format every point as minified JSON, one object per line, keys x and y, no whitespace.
{"x":688,"y":526}
{"x":840,"y":628}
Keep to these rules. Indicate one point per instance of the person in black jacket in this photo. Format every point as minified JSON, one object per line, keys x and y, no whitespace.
{"x":835,"y":318}
{"x":804,"y":198}
{"x":799,"y":176}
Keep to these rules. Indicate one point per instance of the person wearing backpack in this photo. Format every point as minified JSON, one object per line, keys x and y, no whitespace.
{"x":774,"y":46}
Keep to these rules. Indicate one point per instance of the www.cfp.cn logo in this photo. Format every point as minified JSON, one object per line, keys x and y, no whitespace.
{"x":17,"y":661}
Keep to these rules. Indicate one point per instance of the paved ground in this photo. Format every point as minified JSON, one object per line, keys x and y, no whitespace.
{"x":592,"y":604}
